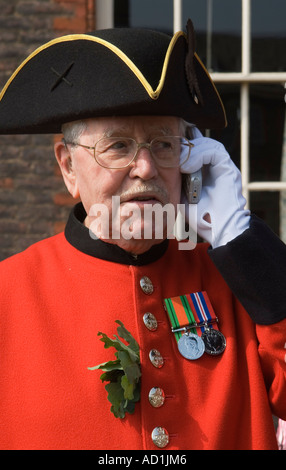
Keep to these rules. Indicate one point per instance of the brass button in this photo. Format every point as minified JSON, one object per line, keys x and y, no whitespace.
{"x":150,"y":321}
{"x":146,"y":285}
{"x":156,"y":397}
{"x":156,"y":358}
{"x":160,"y":437}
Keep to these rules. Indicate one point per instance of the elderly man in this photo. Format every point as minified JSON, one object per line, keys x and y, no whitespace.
{"x":201,"y":359}
{"x":137,"y":176}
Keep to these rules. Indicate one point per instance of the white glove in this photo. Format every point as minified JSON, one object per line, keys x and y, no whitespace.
{"x":220,"y":212}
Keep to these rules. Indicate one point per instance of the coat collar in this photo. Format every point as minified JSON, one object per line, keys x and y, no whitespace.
{"x":77,"y":234}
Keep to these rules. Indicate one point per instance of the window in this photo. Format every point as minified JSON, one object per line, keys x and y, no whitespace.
{"x":242,"y":43}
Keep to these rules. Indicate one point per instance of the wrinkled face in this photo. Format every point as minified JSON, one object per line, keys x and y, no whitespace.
{"x":125,"y":194}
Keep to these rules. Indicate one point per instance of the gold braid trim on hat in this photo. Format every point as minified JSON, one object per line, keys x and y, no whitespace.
{"x":154,"y":94}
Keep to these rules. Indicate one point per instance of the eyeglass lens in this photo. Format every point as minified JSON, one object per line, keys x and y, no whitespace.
{"x":115,"y":152}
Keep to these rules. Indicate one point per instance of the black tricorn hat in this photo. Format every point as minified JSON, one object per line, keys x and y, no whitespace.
{"x":113,"y":72}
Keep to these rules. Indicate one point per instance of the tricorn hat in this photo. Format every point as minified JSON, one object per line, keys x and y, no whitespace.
{"x":113,"y":72}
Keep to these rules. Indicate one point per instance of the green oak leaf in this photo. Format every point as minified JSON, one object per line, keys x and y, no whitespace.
{"x":123,"y":374}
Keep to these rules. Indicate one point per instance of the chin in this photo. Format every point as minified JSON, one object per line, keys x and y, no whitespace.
{"x":136,"y":247}
{"x":136,"y":236}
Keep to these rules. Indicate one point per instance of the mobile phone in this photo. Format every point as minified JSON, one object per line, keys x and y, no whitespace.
{"x":193,"y":186}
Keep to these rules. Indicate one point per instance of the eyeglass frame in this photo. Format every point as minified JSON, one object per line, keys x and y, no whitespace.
{"x":139,"y":146}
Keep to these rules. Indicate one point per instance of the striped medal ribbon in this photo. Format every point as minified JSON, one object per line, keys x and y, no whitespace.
{"x":195,"y":325}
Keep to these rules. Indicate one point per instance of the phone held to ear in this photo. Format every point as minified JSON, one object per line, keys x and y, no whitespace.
{"x":193,"y":186}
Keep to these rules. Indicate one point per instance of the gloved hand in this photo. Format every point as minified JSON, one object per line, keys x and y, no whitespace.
{"x":220,"y":212}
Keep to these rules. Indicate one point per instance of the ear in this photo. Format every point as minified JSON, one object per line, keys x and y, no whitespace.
{"x":64,"y":160}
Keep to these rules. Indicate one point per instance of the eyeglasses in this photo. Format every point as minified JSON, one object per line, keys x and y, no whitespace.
{"x":120,"y":152}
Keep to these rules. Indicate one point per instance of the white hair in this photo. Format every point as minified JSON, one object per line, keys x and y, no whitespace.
{"x":73,"y":130}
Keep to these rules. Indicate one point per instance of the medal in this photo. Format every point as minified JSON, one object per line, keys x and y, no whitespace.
{"x":195,"y":325}
{"x":191,"y":346}
{"x":214,"y":341}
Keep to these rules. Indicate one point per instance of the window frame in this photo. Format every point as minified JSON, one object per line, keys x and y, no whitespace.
{"x":245,"y":78}
{"x":104,"y":19}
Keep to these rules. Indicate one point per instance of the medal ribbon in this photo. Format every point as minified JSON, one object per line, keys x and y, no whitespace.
{"x":191,"y":312}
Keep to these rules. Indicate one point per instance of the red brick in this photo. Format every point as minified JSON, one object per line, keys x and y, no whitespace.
{"x":6,"y":183}
{"x":27,"y":180}
{"x":67,"y":2}
{"x":59,"y":227}
{"x":74,"y":25}
{"x":64,"y":199}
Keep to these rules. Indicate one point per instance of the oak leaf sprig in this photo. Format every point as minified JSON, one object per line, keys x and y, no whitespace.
{"x":123,"y":374}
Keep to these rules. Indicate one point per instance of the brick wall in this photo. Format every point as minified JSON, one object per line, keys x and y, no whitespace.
{"x":34,"y":203}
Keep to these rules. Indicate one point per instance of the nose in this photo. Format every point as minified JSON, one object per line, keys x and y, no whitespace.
{"x":143,"y":165}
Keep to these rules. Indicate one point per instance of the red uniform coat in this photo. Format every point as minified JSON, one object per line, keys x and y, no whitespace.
{"x":55,"y":299}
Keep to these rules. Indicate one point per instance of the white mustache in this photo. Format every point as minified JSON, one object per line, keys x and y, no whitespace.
{"x":147,"y":189}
